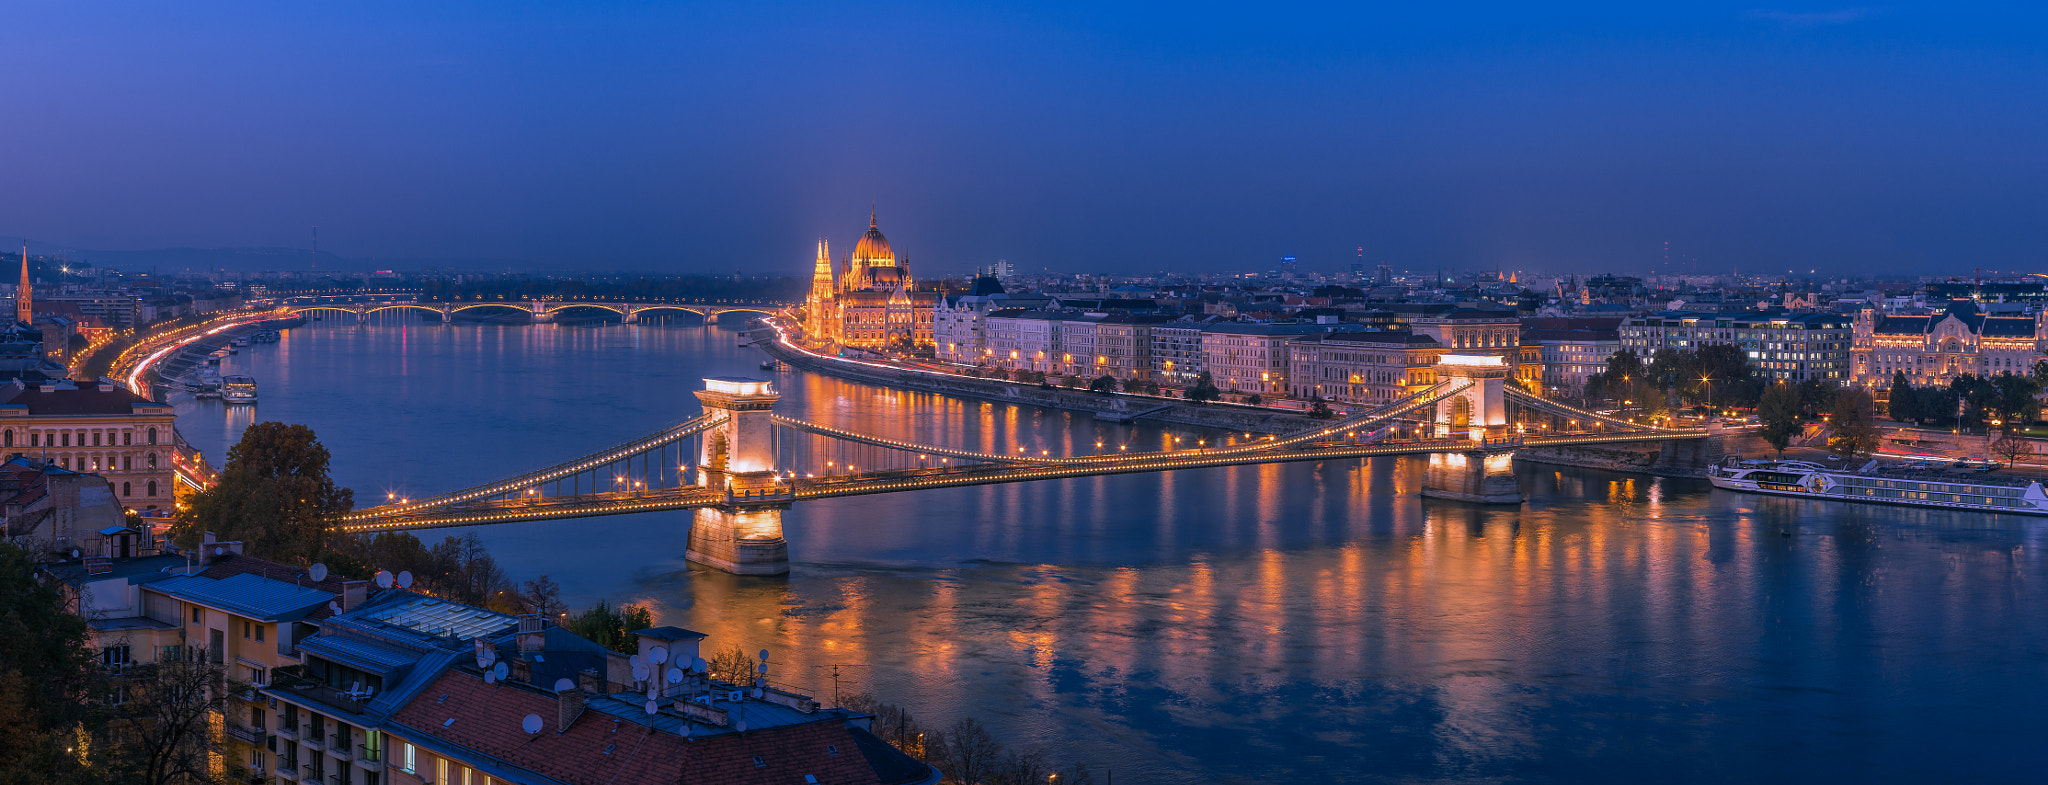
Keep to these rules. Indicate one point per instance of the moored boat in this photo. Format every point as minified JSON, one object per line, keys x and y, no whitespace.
{"x":1916,"y":485}
{"x":238,"y":389}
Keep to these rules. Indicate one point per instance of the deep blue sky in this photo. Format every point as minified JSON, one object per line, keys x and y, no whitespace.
{"x":1904,"y":137}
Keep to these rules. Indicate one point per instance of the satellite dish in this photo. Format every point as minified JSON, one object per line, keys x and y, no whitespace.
{"x":699,"y":665}
{"x":564,"y":685}
{"x":757,"y":693}
{"x":405,"y":580}
{"x":75,"y":553}
{"x":687,"y":728}
{"x":675,"y":675}
{"x":741,"y":725}
{"x":652,"y":709}
{"x":333,"y":606}
{"x":483,"y":654}
{"x":383,"y":579}
{"x":764,"y":667}
{"x":499,"y":669}
{"x":651,"y":694}
{"x":531,"y":724}
{"x":219,"y":551}
{"x":637,"y":661}
{"x":490,"y":677}
{"x":639,"y":673}
{"x":764,"y":655}
{"x":658,"y":654}
{"x":318,"y":572}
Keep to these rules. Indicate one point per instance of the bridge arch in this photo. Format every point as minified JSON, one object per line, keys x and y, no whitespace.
{"x":557,"y":307}
{"x":312,"y":308}
{"x":698,"y":310}
{"x":402,"y":306}
{"x":517,"y":306}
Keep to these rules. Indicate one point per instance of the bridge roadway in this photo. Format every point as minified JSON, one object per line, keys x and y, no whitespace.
{"x":541,"y":310}
{"x":475,"y":513}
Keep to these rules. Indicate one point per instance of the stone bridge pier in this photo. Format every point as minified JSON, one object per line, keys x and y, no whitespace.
{"x":1486,"y":473}
{"x":743,"y":535}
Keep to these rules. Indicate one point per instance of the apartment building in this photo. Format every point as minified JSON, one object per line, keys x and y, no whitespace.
{"x":1251,"y":358}
{"x":1792,"y":347}
{"x":97,"y":428}
{"x":1361,"y":367}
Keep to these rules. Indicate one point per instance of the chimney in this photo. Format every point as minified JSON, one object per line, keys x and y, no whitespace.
{"x":522,"y":669}
{"x":353,"y":593}
{"x":590,"y":681}
{"x":568,"y":706}
{"x":533,"y":632}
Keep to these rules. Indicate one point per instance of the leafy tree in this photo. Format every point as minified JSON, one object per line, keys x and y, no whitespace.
{"x":2016,"y":400}
{"x":274,"y":495}
{"x":1103,"y":383}
{"x":2012,"y":447}
{"x":611,"y":627}
{"x":1205,"y":389}
{"x":46,"y":673}
{"x":1779,"y":411}
{"x":1318,"y":408}
{"x":1905,"y":401}
{"x":1852,"y":424}
{"x":1254,"y":399}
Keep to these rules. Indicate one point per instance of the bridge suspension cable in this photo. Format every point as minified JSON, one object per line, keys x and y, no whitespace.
{"x":1561,"y":410}
{"x":549,"y":474}
{"x":877,"y":441}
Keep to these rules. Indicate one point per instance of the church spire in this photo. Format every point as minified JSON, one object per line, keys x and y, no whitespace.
{"x":871,"y":216}
{"x":24,"y":306}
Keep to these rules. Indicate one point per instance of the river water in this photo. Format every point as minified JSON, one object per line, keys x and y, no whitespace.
{"x":1282,"y":623}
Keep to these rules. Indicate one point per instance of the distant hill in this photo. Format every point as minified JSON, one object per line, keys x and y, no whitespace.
{"x":178,"y":260}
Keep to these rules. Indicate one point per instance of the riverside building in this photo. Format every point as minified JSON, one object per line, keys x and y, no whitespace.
{"x":1932,"y":348}
{"x":1792,"y":347}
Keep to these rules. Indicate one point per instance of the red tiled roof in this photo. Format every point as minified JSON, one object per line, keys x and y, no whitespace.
{"x":487,"y":719}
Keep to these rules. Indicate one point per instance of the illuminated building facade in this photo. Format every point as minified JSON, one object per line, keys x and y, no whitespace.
{"x":870,"y":303}
{"x":1934,"y":348}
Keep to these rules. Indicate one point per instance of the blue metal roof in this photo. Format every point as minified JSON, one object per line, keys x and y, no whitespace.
{"x":361,"y":655}
{"x":247,"y":594}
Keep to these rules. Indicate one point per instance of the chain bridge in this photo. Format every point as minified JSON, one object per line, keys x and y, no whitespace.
{"x":362,"y":306}
{"x":740,"y":464}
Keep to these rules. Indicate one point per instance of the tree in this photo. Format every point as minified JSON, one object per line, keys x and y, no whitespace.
{"x":2016,"y":401}
{"x":1318,"y":408}
{"x":1852,"y":424}
{"x":733,"y":666}
{"x":274,"y":495}
{"x":1905,"y":403}
{"x":1254,"y":399}
{"x":1779,"y":411}
{"x":2012,"y":447}
{"x":167,"y":718}
{"x":971,"y":752}
{"x":1103,"y":383}
{"x":1815,"y":396}
{"x":46,"y":673}
{"x":1205,"y":389}
{"x":611,"y":627}
{"x":544,"y":596}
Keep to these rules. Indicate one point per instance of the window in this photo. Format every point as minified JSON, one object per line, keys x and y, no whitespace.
{"x":259,"y":633}
{"x":127,"y":438}
{"x":35,"y":439}
{"x":9,"y":438}
{"x":127,"y":490}
{"x":152,"y":489}
{"x":152,"y":436}
{"x":197,"y":616}
{"x":406,"y":762}
{"x":127,"y":463}
{"x":95,"y":438}
{"x":245,"y":631}
{"x":67,"y":439}
{"x":115,"y":656}
{"x":151,"y":460}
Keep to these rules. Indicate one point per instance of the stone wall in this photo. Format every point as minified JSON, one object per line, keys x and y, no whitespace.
{"x":1222,"y":416}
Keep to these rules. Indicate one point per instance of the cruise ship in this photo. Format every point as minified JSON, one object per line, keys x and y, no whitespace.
{"x":238,"y":389}
{"x":1944,"y":486}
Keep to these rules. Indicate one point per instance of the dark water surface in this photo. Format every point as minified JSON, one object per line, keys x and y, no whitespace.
{"x":1299,"y":622}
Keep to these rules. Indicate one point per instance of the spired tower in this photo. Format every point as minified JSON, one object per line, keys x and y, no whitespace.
{"x":24,"y":305}
{"x":822,"y":306}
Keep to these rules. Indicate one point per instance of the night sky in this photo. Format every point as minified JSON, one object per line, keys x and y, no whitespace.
{"x":1908,"y":137}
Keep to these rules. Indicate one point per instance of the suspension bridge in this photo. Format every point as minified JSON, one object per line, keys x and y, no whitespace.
{"x":739,"y":464}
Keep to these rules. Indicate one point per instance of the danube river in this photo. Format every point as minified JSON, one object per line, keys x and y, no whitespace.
{"x":1284,"y":623}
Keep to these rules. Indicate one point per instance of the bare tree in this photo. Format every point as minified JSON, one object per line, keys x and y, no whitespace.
{"x":2012,"y":447}
{"x":165,"y":711}
{"x":733,"y":666}
{"x":974,"y":755}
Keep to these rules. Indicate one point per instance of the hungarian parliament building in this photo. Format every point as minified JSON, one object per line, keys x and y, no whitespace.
{"x":870,"y":302}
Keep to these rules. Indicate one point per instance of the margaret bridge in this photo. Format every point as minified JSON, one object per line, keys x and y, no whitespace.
{"x":541,"y":310}
{"x":739,"y":465}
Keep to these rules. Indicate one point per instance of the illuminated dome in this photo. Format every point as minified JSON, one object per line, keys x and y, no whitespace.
{"x":873,"y":248}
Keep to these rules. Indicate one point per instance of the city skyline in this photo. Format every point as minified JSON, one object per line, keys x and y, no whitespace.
{"x":1893,"y":140}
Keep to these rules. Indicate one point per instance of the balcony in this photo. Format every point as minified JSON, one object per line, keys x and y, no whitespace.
{"x":339,"y":749}
{"x":288,"y":773}
{"x":369,"y":758}
{"x":249,"y":736}
{"x":313,"y":741}
{"x":287,"y":732}
{"x":312,"y":773}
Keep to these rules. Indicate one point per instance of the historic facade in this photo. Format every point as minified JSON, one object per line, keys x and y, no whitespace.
{"x":1933,"y":348}
{"x":869,"y":303}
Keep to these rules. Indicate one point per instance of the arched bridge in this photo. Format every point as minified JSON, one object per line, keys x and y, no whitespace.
{"x":540,"y":310}
{"x":740,"y":464}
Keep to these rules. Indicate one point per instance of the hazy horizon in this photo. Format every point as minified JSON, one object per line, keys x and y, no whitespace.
{"x":1129,"y":139}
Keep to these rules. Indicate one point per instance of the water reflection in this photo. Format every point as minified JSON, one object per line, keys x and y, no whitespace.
{"x":1287,"y":622}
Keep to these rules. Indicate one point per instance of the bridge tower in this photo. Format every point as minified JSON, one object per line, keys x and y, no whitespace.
{"x":1485,"y":473}
{"x":743,"y":535}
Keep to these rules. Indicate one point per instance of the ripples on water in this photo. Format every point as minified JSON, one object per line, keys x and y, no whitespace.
{"x":1299,"y":622}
